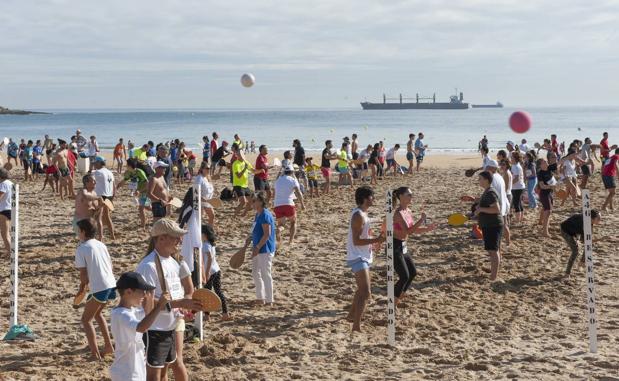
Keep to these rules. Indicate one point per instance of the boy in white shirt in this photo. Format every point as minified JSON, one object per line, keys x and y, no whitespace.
{"x":95,"y":266}
{"x":128,"y":324}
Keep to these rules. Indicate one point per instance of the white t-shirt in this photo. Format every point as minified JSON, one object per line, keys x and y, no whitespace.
{"x":499,"y":186}
{"x":390,"y":154}
{"x":104,"y":182}
{"x":93,"y":148}
{"x":165,"y":321}
{"x":484,"y":163}
{"x":517,"y":171}
{"x":6,"y":187}
{"x":570,"y":168}
{"x":208,"y":250}
{"x":284,"y":190}
{"x":129,"y":360}
{"x":206,"y":189}
{"x":524,"y":148}
{"x":93,"y":256}
{"x":151,"y":160}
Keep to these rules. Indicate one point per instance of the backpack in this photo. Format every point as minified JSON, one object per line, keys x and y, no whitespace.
{"x":226,"y":194}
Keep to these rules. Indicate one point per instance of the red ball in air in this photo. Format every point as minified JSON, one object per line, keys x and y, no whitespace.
{"x":520,"y":122}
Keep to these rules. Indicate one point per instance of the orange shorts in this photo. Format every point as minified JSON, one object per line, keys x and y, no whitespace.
{"x":284,"y":211}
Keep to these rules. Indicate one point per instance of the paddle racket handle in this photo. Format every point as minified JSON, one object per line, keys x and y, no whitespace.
{"x":168,"y":307}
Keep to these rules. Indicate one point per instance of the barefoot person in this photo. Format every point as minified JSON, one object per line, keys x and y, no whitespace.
{"x":420,"y":149}
{"x":410,"y":153}
{"x":610,"y":169}
{"x":403,"y":226}
{"x":6,"y":194}
{"x":129,"y":320}
{"x":87,"y":202}
{"x":262,"y":240}
{"x":359,"y":253}
{"x":546,"y":183}
{"x":61,"y":162}
{"x":261,"y":178}
{"x":95,"y":266}
{"x":287,"y":188}
{"x":498,"y":183}
{"x":241,"y":170}
{"x":120,"y":155}
{"x":104,"y":188}
{"x":211,"y":276}
{"x":573,"y":227}
{"x":159,"y":267}
{"x":325,"y":165}
{"x":490,"y":221}
{"x":137,"y":184}
{"x":207,"y":191}
{"x":158,"y":192}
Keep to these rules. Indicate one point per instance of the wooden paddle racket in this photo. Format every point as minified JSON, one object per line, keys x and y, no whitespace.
{"x":79,"y":298}
{"x":109,"y":204}
{"x":208,"y":299}
{"x":162,"y":282}
{"x":176,"y":202}
{"x":238,"y":258}
{"x":470,"y":172}
{"x":214,"y":202}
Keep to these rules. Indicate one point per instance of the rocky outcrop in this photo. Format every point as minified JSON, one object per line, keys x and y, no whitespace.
{"x":6,"y":111}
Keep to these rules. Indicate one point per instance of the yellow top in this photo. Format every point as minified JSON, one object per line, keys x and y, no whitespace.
{"x":342,"y":161}
{"x":312,"y":171}
{"x":237,"y":167}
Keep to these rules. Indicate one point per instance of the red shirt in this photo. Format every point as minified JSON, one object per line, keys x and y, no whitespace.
{"x":604,"y":150}
{"x":213,"y":147}
{"x":554,"y":145}
{"x":609,"y":168}
{"x":262,"y":163}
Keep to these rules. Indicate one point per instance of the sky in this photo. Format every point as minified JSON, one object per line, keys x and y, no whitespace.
{"x":305,"y":54}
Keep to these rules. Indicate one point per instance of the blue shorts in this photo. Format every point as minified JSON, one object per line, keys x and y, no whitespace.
{"x":144,"y":200}
{"x":103,"y":296}
{"x":409,"y":156}
{"x":358,"y":264}
{"x":390,"y":163}
{"x":343,"y":170}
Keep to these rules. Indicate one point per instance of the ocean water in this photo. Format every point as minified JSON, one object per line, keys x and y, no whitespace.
{"x":444,"y":130}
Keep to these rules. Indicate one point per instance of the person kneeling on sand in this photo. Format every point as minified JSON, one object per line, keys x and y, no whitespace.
{"x":359,"y":253}
{"x":130,"y":319}
{"x":95,"y":266}
{"x":573,"y":227}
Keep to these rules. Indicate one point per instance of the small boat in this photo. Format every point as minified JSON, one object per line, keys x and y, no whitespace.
{"x":496,"y":105}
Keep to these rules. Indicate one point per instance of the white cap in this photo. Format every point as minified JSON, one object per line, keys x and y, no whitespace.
{"x":160,"y":164}
{"x":492,"y":164}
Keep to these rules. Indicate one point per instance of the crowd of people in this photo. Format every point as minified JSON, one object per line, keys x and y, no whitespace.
{"x":156,"y":298}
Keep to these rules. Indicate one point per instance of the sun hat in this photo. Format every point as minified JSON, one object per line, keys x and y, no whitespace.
{"x":166,"y":226}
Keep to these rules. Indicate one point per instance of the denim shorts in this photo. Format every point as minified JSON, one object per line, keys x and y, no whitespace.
{"x":103,"y":296}
{"x":358,"y":264}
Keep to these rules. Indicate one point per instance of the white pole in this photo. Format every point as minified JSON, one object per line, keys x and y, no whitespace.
{"x":14,"y":254}
{"x":197,"y":208}
{"x":586,"y":212}
{"x":390,"y":292}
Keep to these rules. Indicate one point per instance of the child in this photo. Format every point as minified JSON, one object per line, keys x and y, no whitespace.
{"x":287,"y":162}
{"x":573,"y":227}
{"x":93,"y":261}
{"x":128,"y":324}
{"x":312,"y":171}
{"x":211,"y":275}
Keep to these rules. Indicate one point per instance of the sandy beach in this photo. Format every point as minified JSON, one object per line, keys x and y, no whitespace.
{"x":455,"y":324}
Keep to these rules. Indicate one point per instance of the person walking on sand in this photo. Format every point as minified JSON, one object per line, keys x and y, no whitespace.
{"x":359,"y":253}
{"x":61,"y":161}
{"x":420,"y":149}
{"x":261,"y":178}
{"x":325,"y":166}
{"x":95,"y":266}
{"x":610,"y":169}
{"x":104,"y":188}
{"x":547,"y":184}
{"x":241,"y":169}
{"x":343,"y":167}
{"x":6,"y":195}
{"x":120,"y":155}
{"x":410,"y":153}
{"x":403,"y":226}
{"x":264,"y":245}
{"x":161,"y":270}
{"x":87,"y":202}
{"x":158,"y":192}
{"x":573,"y":227}
{"x":286,"y":188}
{"x":488,"y":212}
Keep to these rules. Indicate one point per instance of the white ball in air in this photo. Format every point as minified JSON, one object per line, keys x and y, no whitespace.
{"x":248,"y":80}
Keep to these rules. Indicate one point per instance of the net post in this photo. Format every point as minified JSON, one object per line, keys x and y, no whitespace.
{"x":14,"y":278}
{"x":390,"y":283}
{"x":588,"y":251}
{"x":197,"y":208}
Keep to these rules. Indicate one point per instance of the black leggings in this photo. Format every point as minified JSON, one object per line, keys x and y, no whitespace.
{"x":517,"y":199}
{"x":214,"y":282}
{"x":404,"y":266}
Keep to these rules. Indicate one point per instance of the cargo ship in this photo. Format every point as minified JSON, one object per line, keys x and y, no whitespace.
{"x":421,"y":103}
{"x":496,"y":105}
